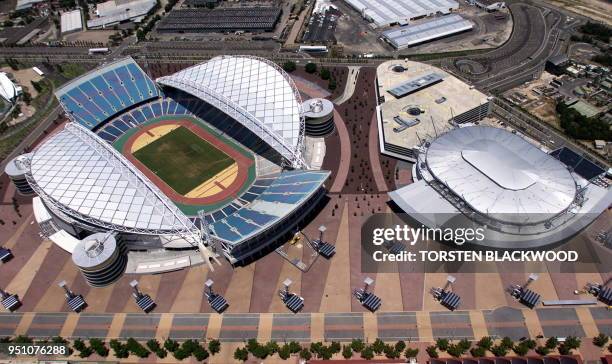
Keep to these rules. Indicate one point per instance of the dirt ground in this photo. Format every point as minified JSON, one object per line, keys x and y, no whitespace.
{"x":595,"y":9}
{"x":541,"y":106}
{"x":358,"y":37}
{"x":24,"y":78}
{"x":100,"y":36}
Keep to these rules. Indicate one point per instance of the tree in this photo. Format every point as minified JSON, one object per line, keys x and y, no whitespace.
{"x":411,"y":353}
{"x":241,"y":354}
{"x":572,"y":342}
{"x":214,"y":346}
{"x":180,"y":354}
{"x":530,"y":343}
{"x":485,"y":343}
{"x":325,"y":74}
{"x":507,"y":343}
{"x":332,"y":84}
{"x":153,"y":345}
{"x":431,"y":351}
{"x":378,"y":346}
{"x":289,"y":66}
{"x":600,"y":340}
{"x":454,"y":350}
{"x":367,"y":353}
{"x":478,"y":352}
{"x":310,"y":67}
{"x":171,"y":345}
{"x":294,"y":347}
{"x":442,"y":344}
{"x":347,"y":352}
{"x":200,"y":353}
{"x":284,"y":352}
{"x":305,"y":354}
{"x":357,"y":345}
{"x":551,"y":343}
{"x":542,"y":350}
{"x":464,"y":345}
{"x":499,"y":350}
{"x":564,"y":349}
{"x":520,"y":349}
{"x":99,"y":347}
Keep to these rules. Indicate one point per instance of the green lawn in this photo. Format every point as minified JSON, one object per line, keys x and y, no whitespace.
{"x":183,"y":160}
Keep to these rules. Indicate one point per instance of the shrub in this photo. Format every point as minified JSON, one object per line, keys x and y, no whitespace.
{"x":310,"y":67}
{"x":86,"y":352}
{"x":478,"y":352}
{"x":431,"y":351}
{"x":284,"y":352}
{"x":564,"y":349}
{"x":367,"y":353}
{"x":499,"y":350}
{"x":442,"y":344}
{"x":357,"y":345}
{"x":454,"y":350}
{"x":542,"y":350}
{"x":214,"y":346}
{"x":79,"y":345}
{"x":294,"y":347}
{"x":190,"y":346}
{"x":391,"y":353}
{"x":411,"y":353}
{"x":347,"y":352}
{"x":23,"y":339}
{"x":530,"y":344}
{"x":485,"y":343}
{"x":180,"y":354}
{"x":305,"y":354}
{"x":161,"y":353}
{"x":600,"y":340}
{"x":241,"y":354}
{"x":464,"y":345}
{"x":551,"y":343}
{"x":136,"y":348}
{"x":332,"y":84}
{"x":272,"y":347}
{"x":99,"y":347}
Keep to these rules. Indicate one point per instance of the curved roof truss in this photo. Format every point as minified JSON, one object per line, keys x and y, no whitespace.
{"x":254,"y":91}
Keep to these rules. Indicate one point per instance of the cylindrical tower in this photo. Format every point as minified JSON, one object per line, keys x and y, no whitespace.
{"x":16,"y":170}
{"x":319,"y":117}
{"x":100,"y":259}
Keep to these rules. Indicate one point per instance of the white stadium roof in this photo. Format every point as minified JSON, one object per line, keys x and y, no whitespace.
{"x":8,"y":91}
{"x":387,"y":12}
{"x":410,"y":35}
{"x":497,"y":172}
{"x":83,"y":177}
{"x":252,"y":90}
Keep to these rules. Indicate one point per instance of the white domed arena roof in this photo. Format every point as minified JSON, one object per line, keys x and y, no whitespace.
{"x":497,"y":172}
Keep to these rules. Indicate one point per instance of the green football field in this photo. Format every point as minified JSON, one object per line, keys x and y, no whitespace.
{"x":183,"y":160}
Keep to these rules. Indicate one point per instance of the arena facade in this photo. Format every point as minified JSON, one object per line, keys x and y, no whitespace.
{"x":475,"y":175}
{"x":153,"y":176}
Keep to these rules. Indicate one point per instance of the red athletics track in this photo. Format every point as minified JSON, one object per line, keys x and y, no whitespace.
{"x":231,"y":191}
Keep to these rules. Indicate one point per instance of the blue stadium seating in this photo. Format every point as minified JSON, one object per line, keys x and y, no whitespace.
{"x":92,"y":99}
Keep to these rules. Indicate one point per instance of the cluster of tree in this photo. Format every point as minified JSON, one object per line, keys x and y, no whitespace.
{"x":579,"y":126}
{"x":324,"y":73}
{"x":604,"y":59}
{"x":599,"y":31}
{"x":13,"y":63}
{"x":149,"y":24}
{"x":504,"y":347}
{"x":95,"y":346}
{"x":325,"y":352}
{"x":170,"y":5}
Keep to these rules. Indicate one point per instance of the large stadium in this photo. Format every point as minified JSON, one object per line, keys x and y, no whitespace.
{"x":160,"y":175}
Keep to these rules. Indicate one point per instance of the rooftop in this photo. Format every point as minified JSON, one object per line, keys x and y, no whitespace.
{"x":71,"y":21}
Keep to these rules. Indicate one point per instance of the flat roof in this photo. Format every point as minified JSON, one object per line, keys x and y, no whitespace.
{"x":437,"y":104}
{"x":409,"y":35}
{"x":71,"y":21}
{"x":387,"y":12}
{"x":113,"y":13}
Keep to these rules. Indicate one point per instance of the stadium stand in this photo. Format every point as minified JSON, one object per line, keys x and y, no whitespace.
{"x":94,"y":98}
{"x":577,"y":163}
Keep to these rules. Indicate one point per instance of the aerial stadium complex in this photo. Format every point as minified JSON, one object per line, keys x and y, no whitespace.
{"x":476,"y":175}
{"x":153,"y":176}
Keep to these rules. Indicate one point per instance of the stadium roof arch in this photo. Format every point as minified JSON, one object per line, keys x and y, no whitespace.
{"x":254,"y":91}
{"x":83,"y":177}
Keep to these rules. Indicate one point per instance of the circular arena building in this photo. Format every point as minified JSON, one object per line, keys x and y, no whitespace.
{"x":524,"y":196}
{"x":177,"y":171}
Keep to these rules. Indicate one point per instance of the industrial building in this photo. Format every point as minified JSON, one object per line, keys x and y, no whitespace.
{"x":385,"y":12}
{"x":113,"y":12}
{"x":411,"y":35}
{"x":71,"y":21}
{"x":98,"y":202}
{"x":202,"y":20}
{"x":482,"y":176}
{"x":490,"y":5}
{"x":417,"y":101}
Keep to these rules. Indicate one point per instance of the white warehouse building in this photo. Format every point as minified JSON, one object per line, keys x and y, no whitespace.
{"x":388,"y":12}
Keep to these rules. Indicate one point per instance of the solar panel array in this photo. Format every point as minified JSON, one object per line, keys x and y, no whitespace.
{"x":415,"y":84}
{"x":219,"y":20}
{"x":410,"y":35}
{"x":94,"y":98}
{"x":387,"y":12}
{"x":583,"y":167}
